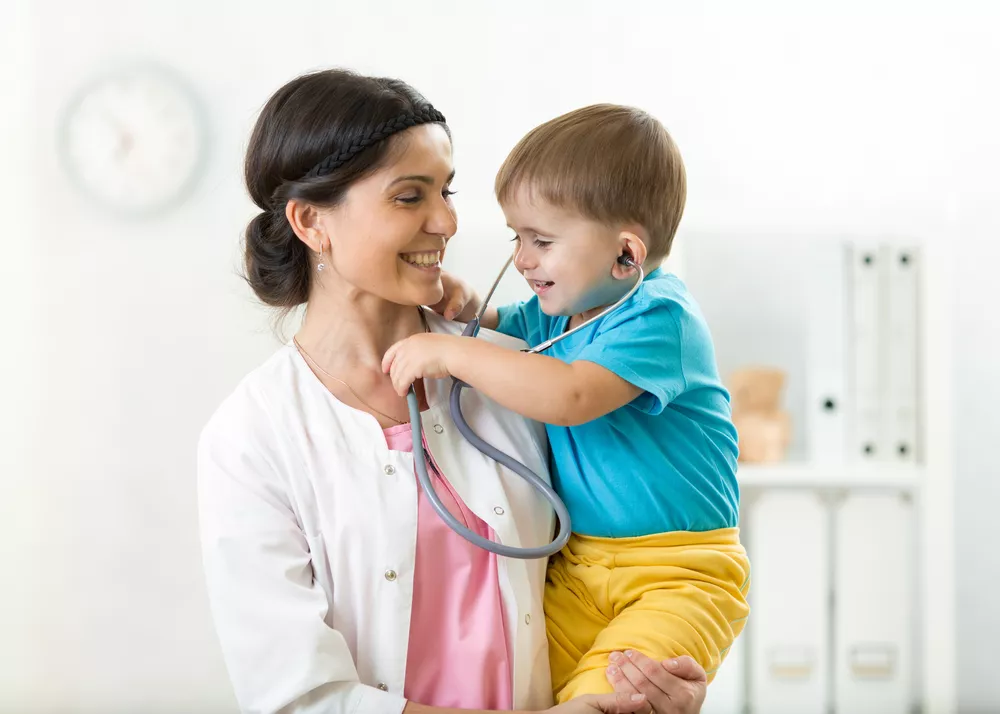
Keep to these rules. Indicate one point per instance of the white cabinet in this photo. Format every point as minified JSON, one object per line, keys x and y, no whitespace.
{"x":874,"y":613}
{"x":788,"y":627}
{"x":833,"y":623}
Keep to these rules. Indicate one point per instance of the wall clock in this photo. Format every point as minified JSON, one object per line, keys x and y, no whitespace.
{"x":134,"y":140}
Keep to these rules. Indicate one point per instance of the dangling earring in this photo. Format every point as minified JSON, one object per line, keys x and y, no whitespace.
{"x":321,"y":266}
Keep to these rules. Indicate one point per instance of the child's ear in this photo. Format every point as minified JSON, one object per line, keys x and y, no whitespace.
{"x":631,"y":250}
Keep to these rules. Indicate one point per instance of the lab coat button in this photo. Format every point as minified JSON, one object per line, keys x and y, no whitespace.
{"x":498,"y":511}
{"x":383,"y":686}
{"x":527,"y":619}
{"x":390,"y":575}
{"x":389,"y":470}
{"x":438,"y":429}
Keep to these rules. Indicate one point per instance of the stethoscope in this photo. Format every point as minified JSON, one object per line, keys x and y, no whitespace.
{"x":419,"y":459}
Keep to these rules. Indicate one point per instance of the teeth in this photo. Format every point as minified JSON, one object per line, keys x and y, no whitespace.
{"x":423,"y":259}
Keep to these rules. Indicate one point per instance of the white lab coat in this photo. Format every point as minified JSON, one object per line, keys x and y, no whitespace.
{"x":308,"y":528}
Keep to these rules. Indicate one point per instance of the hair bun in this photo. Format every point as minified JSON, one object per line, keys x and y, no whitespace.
{"x":276,"y":262}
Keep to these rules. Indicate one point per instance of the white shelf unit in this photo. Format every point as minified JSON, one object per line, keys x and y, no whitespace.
{"x":792,"y":476}
{"x":851,"y":600}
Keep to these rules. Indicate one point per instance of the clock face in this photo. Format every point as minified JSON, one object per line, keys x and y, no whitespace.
{"x":134,"y":140}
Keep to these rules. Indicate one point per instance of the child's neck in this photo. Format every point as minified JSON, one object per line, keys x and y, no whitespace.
{"x":582,"y":317}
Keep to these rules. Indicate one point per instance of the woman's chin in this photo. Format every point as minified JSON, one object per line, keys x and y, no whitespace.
{"x":423,"y":295}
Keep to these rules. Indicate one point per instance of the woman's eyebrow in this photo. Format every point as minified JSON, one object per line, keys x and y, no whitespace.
{"x":429,"y":180}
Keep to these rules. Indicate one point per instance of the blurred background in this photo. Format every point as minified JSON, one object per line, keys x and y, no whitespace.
{"x":842,"y":233}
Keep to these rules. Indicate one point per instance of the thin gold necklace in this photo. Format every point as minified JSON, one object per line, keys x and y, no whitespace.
{"x":318,"y":366}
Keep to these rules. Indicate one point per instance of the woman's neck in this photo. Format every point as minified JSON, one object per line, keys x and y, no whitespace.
{"x":354,"y":331}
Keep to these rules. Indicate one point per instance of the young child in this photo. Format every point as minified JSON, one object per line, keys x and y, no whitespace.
{"x":643,"y":449}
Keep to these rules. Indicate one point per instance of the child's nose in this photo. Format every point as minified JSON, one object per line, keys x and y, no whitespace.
{"x":523,"y":258}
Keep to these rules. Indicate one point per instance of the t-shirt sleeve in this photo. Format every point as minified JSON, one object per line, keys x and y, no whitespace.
{"x":643,"y":343}
{"x":518,"y":320}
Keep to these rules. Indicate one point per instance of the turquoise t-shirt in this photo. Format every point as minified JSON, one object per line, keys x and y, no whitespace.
{"x":667,"y":460}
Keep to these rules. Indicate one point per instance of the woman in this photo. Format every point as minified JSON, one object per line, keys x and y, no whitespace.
{"x":334,"y":587}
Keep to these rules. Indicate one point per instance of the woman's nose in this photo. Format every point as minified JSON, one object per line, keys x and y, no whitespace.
{"x":443,"y":220}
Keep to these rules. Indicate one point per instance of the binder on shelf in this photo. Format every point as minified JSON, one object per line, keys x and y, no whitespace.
{"x":901,"y":346}
{"x":866,"y":283}
{"x":827,"y":403}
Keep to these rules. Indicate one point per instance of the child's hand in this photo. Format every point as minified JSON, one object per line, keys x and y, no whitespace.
{"x":420,"y":356}
{"x":460,"y":301}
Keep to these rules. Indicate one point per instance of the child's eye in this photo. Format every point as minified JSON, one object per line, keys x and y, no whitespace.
{"x":542,"y":243}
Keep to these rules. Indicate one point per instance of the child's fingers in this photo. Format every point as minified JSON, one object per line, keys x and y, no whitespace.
{"x":456,"y":304}
{"x":400,"y":382}
{"x":389,"y":357}
{"x":441,"y":306}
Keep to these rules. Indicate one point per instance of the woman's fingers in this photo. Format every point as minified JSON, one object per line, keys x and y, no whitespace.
{"x":618,"y":680}
{"x":686,"y":668}
{"x":618,"y":703}
{"x":674,"y":686}
{"x":621,"y":685}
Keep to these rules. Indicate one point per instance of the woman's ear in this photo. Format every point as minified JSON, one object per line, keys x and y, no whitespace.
{"x":304,"y":218}
{"x":632,"y":248}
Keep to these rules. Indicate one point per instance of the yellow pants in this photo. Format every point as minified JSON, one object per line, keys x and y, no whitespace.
{"x":664,"y":595}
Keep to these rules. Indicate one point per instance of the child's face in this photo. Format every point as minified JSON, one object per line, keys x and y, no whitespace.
{"x":566,"y":258}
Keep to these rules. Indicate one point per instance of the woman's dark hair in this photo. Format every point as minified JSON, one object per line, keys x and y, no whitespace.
{"x":315,"y":137}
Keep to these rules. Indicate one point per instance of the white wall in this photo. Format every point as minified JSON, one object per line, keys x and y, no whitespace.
{"x":122,"y":337}
{"x":19,"y":516}
{"x":977,"y":396}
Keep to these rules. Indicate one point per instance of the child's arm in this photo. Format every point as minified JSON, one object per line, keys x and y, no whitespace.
{"x":536,"y":386}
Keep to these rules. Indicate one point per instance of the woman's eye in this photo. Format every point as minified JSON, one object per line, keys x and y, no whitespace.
{"x":448,"y":193}
{"x":542,"y":243}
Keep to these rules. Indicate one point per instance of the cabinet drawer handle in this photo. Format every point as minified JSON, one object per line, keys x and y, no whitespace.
{"x":873,"y":661}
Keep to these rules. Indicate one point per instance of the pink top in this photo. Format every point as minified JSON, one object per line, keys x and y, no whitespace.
{"x":457,"y":654}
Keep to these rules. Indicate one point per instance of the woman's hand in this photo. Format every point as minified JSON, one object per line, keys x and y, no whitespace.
{"x":603,"y":704}
{"x":674,"y":686}
{"x":422,"y":356}
{"x":460,"y":301}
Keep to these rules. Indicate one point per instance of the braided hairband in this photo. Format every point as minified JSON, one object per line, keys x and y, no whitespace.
{"x":425,"y":114}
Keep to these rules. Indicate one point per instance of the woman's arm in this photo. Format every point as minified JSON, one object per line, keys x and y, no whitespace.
{"x":269,"y":614}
